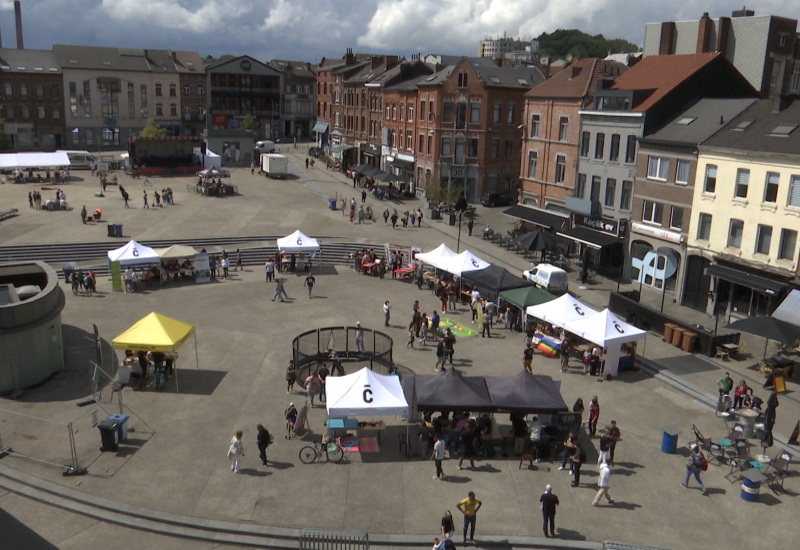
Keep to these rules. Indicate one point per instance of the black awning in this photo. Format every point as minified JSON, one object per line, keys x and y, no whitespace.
{"x":589,"y":237}
{"x":756,"y":282}
{"x":537,"y":217}
{"x":320,"y":127}
{"x":403,"y":164}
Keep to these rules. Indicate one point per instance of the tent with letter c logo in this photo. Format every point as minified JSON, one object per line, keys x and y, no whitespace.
{"x":134,"y":254}
{"x":365,"y":393}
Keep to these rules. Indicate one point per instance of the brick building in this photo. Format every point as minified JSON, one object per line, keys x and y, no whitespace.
{"x":330,"y":74}
{"x":192,"y":90}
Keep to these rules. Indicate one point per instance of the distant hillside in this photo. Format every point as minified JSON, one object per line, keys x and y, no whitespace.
{"x":579,"y":44}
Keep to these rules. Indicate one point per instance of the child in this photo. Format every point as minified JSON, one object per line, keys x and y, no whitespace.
{"x":236,"y":451}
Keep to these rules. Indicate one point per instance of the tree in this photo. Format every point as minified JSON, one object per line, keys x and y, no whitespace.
{"x":151,"y":129}
{"x":5,"y":139}
{"x":249,"y":123}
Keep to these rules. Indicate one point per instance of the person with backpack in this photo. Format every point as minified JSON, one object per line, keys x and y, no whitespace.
{"x":263,"y":440}
{"x":697,"y":463}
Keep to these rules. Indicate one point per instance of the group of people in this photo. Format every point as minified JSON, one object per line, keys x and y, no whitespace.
{"x":61,"y":175}
{"x":163,"y":367}
{"x":83,"y":283}
{"x":413,"y":216}
{"x":59,"y":203}
{"x":461,"y":435}
{"x":236,"y":448}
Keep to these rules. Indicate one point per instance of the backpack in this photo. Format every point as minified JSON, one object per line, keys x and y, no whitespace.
{"x":703,"y":463}
{"x":449,"y":545}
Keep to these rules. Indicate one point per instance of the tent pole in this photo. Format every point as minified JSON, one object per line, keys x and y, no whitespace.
{"x":196,"y":356}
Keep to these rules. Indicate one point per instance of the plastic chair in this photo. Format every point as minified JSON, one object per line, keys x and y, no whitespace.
{"x":722,"y":353}
{"x":714,"y":449}
{"x":525,"y":458}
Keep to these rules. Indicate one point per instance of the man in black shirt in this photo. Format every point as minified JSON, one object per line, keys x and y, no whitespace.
{"x":549,"y":502}
{"x":322,"y":373}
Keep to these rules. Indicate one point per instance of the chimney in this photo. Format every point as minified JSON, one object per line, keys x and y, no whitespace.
{"x":666,"y":45}
{"x":722,"y":35}
{"x":18,"y":19}
{"x":704,"y":32}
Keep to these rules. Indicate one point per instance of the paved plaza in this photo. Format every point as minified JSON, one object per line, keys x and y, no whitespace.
{"x":175,"y":463}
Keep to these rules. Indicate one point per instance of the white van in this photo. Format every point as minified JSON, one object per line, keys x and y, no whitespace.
{"x":79,"y":160}
{"x":265,"y":146}
{"x":548,"y":277}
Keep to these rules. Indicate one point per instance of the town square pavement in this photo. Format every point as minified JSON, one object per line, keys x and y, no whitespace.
{"x":175,"y":460}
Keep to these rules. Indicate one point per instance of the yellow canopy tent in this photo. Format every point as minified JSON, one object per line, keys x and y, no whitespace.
{"x":156,"y":332}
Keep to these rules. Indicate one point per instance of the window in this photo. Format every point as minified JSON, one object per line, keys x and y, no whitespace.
{"x":563,"y":125}
{"x":594,"y":192}
{"x":494,"y":152}
{"x":158,"y":90}
{"x":534,"y":125}
{"x":794,"y":192}
{"x":496,"y":115}
{"x":585,"y":138}
{"x":143,"y":101}
{"x":173,"y":90}
{"x":26,"y":112}
{"x":510,"y":113}
{"x":201,"y":90}
{"x":10,"y":112}
{"x":652,"y":212}
{"x":73,"y":99}
{"x":474,"y":113}
{"x":735,"y":231}
{"x":742,"y":182}
{"x":40,"y":112}
{"x":187,"y":90}
{"x":613,"y":155}
{"x":9,"y":90}
{"x":611,"y":192}
{"x":763,"y":239}
{"x":794,"y":86}
{"x":657,"y":168}
{"x":676,"y":218}
{"x":580,"y":186}
{"x":56,"y":113}
{"x":87,"y":99}
{"x":447,"y":112}
{"x":394,"y":111}
{"x":402,"y":111}
{"x":23,"y":89}
{"x":187,"y":113}
{"x":599,"y":145}
{"x":630,"y":150}
{"x":710,"y":184}
{"x":388,"y":112}
{"x":173,"y":109}
{"x":446,"y":147}
{"x":159,"y":109}
{"x":459,"y":157}
{"x":421,"y":143}
{"x":704,"y":227}
{"x":410,"y":111}
{"x":509,"y":148}
{"x":422,"y":110}
{"x":89,"y":137}
{"x":54,"y":93}
{"x":771,"y":187}
{"x":462,"y":80}
{"x":533,"y":157}
{"x":561,"y":168}
{"x":461,"y":116}
{"x":430,"y":145}
{"x":682,"y":172}
{"x":788,"y":244}
{"x":39,"y":90}
{"x":626,"y":195}
{"x":409,"y":141}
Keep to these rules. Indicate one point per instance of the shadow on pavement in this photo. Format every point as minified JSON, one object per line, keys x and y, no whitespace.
{"x":569,"y":534}
{"x":18,"y":535}
{"x":199,"y":381}
{"x":686,"y":364}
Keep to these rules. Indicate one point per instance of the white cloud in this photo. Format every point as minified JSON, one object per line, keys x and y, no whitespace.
{"x":171,"y":14}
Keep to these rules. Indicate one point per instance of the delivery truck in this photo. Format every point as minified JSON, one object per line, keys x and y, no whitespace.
{"x":274,"y":165}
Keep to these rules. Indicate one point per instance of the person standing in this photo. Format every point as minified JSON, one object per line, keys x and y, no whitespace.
{"x":280,"y":292}
{"x":359,"y":337}
{"x":269,"y":268}
{"x":469,"y":507}
{"x":322,"y":374}
{"x":578,"y":458}
{"x":594,"y":414}
{"x":309,"y":283}
{"x":236,"y":451}
{"x":387,"y":313}
{"x":225,"y":264}
{"x":448,"y":525}
{"x":239,"y":260}
{"x":470,"y":225}
{"x":614,"y":434}
{"x":290,"y":414}
{"x":694,"y":466}
{"x":527,"y":358}
{"x":549,"y":502}
{"x":440,"y":356}
{"x":386,"y":216}
{"x":83,"y":210}
{"x":438,"y":456}
{"x":725,"y":384}
{"x":486,"y":320}
{"x":145,"y":200}
{"x":311,"y":384}
{"x":291,"y":376}
{"x":602,"y":484}
{"x":30,"y":201}
{"x":605,"y":449}
{"x":563,"y":349}
{"x":569,"y":451}
{"x":263,"y":441}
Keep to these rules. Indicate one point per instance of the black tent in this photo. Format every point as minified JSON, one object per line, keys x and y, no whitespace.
{"x":452,"y":391}
{"x":526,"y":393}
{"x":494,"y":279}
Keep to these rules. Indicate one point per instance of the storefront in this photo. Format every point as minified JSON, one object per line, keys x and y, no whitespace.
{"x":656,"y":257}
{"x":744,"y":291}
{"x":598,"y":242}
{"x":320,"y":132}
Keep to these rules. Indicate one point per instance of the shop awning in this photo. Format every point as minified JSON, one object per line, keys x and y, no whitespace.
{"x":589,"y":237}
{"x":403,"y":164}
{"x":320,"y":128}
{"x":761,"y":284}
{"x":537,"y":217}
{"x":340,"y":148}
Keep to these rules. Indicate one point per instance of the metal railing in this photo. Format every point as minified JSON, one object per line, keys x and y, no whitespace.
{"x":320,"y":539}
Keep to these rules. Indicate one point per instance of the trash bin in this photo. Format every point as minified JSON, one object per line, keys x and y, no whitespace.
{"x":669,"y":440}
{"x":677,"y":336}
{"x":110,"y":228}
{"x":118,"y":230}
{"x":332,"y":203}
{"x":68,"y":269}
{"x":668,"y":330}
{"x":751,"y":484}
{"x":108,"y":432}
{"x":688,"y":341}
{"x":124,"y":373}
{"x":121,"y":420}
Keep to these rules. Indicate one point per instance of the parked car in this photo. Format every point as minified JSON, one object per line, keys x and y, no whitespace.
{"x":548,"y":277}
{"x":315,"y":152}
{"x":497,"y":199}
{"x":265,"y":146}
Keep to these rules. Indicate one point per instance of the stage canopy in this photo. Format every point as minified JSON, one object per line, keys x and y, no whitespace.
{"x":526,"y":393}
{"x":452,"y":391}
{"x":494,"y":279}
{"x":176,"y":252}
{"x":527,"y":296}
{"x":134,"y":254}
{"x":34,"y":160}
{"x":464,"y":262}
{"x":438,"y":257}
{"x":297,"y":242}
{"x":365,"y":393}
{"x":561,"y":311}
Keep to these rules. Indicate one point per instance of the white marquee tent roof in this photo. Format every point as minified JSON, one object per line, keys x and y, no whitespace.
{"x":297,"y":242}
{"x":561,"y":311}
{"x":134,"y":254}
{"x":365,"y":393}
{"x":466,"y":261}
{"x":34,"y":160}
{"x":438,"y":257}
{"x":605,"y":329}
{"x":789,"y":310}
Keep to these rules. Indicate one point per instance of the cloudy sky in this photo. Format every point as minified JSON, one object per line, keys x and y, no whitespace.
{"x":308,"y":30}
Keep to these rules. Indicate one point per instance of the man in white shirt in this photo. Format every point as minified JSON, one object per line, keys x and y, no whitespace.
{"x":474,"y":297}
{"x":128,"y":278}
{"x":602,"y":484}
{"x":270,"y":269}
{"x":438,"y":456}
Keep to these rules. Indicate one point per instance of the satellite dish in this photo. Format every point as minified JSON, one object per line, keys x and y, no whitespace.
{"x":569,"y":57}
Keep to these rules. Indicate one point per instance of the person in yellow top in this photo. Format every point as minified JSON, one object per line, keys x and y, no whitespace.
{"x":469,"y":507}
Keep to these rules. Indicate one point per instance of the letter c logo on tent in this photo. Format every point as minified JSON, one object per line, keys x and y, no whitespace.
{"x":299,"y":242}
{"x":619,"y":328}
{"x":135,"y":252}
{"x":579,"y":311}
{"x":476,"y":264}
{"x":367,"y":395}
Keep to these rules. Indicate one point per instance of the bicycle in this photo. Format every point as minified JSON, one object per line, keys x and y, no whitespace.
{"x":332,"y":451}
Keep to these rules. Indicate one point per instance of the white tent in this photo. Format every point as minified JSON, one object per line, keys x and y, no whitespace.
{"x":134,"y":254}
{"x":789,"y":310}
{"x":438,"y":257}
{"x":466,"y":261}
{"x":607,"y":330}
{"x":365,"y":393}
{"x":297,"y":242}
{"x":34,"y":160}
{"x":176,"y":252}
{"x":561,"y":311}
{"x":211,"y":159}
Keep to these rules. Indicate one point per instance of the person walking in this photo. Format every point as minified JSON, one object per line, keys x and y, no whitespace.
{"x":614,"y":434}
{"x":578,"y":458}
{"x":387,"y":313}
{"x":225,"y":264}
{"x":322,"y":374}
{"x":359,"y":337}
{"x":236,"y":451}
{"x":549,"y":503}
{"x":594,"y":414}
{"x":291,"y":376}
{"x":602,"y":484}
{"x":470,"y":225}
{"x":83,"y":212}
{"x":312,"y":385}
{"x":469,"y":507}
{"x":527,"y":358}
{"x":694,"y":465}
{"x":280,"y":292}
{"x":438,"y":456}
{"x":145,"y":200}
{"x":605,"y":449}
{"x":290,"y":414}
{"x":263,"y":440}
{"x":239,"y":260}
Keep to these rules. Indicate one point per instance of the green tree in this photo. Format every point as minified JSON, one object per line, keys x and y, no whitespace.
{"x":5,"y":139}
{"x":249,"y":123}
{"x":151,"y":129}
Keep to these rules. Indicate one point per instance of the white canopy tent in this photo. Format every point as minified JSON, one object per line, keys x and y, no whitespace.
{"x":176,"y":252}
{"x":466,"y":261}
{"x":134,"y":254}
{"x":607,"y":330}
{"x":438,"y":257}
{"x":298,"y":242}
{"x":789,"y":310}
{"x":365,"y":393}
{"x":34,"y":160}
{"x":211,"y":159}
{"x":561,"y":311}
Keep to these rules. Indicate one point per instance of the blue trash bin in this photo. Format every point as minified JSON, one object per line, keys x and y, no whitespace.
{"x":118,"y":230}
{"x":121,"y":420}
{"x":750,"y":490}
{"x":332,"y":203}
{"x":669,"y":441}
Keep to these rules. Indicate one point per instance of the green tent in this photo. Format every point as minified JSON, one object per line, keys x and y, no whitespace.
{"x":526,"y":296}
